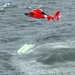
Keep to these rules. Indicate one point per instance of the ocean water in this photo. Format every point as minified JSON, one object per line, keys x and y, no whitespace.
{"x":53,"y":51}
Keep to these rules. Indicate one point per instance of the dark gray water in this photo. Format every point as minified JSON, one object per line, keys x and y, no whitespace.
{"x":54,"y":50}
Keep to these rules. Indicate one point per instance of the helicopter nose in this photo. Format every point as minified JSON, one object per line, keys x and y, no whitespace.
{"x":26,"y":13}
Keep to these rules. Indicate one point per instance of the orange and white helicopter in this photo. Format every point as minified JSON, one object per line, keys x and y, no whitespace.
{"x":39,"y":14}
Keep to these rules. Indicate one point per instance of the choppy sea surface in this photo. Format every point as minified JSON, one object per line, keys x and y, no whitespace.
{"x":54,"y":41}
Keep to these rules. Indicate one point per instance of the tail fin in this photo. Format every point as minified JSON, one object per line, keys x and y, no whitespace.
{"x":56,"y":15}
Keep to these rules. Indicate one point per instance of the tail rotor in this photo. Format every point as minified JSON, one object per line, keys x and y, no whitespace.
{"x":56,"y":15}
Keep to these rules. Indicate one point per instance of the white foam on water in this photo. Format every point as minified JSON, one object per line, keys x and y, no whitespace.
{"x":32,"y":66}
{"x":6,"y":5}
{"x":30,"y":47}
{"x":25,"y":48}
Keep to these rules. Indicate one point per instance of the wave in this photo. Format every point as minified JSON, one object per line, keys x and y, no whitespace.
{"x":7,"y":5}
{"x":49,"y":53}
